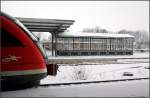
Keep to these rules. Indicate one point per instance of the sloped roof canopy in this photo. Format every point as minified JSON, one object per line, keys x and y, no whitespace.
{"x":46,"y":25}
{"x":94,"y":35}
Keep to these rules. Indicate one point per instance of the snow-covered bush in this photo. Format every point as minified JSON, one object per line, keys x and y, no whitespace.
{"x":79,"y":73}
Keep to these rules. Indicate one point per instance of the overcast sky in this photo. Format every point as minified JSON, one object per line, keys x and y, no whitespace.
{"x":111,"y":15}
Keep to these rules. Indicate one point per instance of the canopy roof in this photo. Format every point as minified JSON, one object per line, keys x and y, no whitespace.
{"x":96,"y":35}
{"x":46,"y":25}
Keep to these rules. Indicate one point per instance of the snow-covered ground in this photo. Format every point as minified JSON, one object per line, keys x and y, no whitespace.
{"x":137,"y":88}
{"x":98,"y":72}
{"x":103,"y":71}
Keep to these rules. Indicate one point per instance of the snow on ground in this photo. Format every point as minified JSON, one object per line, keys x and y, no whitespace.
{"x":103,"y":71}
{"x":137,"y":88}
{"x":98,"y":72}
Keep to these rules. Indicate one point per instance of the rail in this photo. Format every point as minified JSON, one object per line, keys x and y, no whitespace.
{"x":89,"y":82}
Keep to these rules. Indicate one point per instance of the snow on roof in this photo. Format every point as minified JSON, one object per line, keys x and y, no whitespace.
{"x":97,"y":35}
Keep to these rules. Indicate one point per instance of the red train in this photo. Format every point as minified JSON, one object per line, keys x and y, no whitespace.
{"x":22,"y":56}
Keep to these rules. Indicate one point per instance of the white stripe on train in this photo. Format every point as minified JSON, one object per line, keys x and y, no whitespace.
{"x":25,"y":72}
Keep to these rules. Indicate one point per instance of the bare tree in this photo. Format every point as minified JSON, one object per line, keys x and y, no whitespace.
{"x":141,"y":38}
{"x":96,"y":29}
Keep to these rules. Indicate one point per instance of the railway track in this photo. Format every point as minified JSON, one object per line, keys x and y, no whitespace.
{"x":89,"y":82}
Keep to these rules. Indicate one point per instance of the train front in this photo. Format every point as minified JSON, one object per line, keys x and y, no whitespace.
{"x":22,"y":56}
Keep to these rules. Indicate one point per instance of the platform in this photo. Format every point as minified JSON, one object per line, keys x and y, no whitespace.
{"x":94,"y":59}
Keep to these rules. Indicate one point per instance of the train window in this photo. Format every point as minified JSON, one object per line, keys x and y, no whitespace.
{"x":8,"y":40}
{"x":32,"y":35}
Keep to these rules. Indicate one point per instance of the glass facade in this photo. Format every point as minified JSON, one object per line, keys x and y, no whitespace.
{"x":97,"y":45}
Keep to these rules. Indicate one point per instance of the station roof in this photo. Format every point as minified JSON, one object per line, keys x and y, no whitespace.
{"x":96,"y":35}
{"x":46,"y":25}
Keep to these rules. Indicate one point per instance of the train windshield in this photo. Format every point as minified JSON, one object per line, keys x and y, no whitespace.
{"x":34,"y":37}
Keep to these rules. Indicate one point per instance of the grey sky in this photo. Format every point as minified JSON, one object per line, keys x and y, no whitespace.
{"x":111,"y":15}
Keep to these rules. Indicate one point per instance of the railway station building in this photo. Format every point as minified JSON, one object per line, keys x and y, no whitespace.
{"x":79,"y":44}
{"x":84,"y":44}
